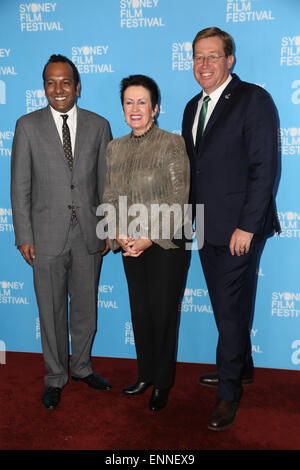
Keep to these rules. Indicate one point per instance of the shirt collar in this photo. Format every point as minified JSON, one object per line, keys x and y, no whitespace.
{"x":215,"y":95}
{"x":71,"y":113}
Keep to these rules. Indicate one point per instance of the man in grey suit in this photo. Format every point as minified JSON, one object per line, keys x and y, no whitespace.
{"x":58,"y":173}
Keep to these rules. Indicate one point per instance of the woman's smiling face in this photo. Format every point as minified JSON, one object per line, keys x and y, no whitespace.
{"x":137,"y":108}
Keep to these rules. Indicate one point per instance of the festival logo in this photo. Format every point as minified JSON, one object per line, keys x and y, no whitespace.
{"x":255,"y":346}
{"x":35,"y":99}
{"x":10,"y":293}
{"x":289,"y":141}
{"x":196,"y":300}
{"x":240,"y":11}
{"x":6,"y":224}
{"x":6,"y":138}
{"x":91,"y":59}
{"x":289,"y":222}
{"x":285,"y":305}
{"x":36,"y":17}
{"x":140,"y":14}
{"x":129,"y":337}
{"x":290,"y":51}
{"x":6,"y":69}
{"x":105,"y":302}
{"x":182,"y":56}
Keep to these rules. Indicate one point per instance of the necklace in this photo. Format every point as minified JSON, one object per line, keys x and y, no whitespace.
{"x":133,"y":136}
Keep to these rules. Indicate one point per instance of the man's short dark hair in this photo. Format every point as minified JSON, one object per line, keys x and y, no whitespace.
{"x":61,"y":58}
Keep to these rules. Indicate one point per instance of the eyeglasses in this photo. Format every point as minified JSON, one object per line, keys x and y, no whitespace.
{"x":210,"y":59}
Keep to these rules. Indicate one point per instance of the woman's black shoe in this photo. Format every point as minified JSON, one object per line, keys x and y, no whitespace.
{"x":136,"y":389}
{"x":159,"y":399}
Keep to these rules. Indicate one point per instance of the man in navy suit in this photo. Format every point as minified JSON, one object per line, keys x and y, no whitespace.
{"x":233,"y":154}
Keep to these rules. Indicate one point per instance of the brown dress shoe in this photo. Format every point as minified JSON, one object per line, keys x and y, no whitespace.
{"x":212,"y":380}
{"x":223,"y":415}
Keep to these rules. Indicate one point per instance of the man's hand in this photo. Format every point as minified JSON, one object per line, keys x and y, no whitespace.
{"x":106,"y":249}
{"x":240,"y":242}
{"x":28,"y":253}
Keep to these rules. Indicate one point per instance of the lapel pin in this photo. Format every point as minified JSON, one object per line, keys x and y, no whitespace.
{"x":227,"y":96}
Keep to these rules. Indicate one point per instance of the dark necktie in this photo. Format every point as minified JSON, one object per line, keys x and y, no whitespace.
{"x":68,"y":151}
{"x":67,"y":141}
{"x":201,"y":121}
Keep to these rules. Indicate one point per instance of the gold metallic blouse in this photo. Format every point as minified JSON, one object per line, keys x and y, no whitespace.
{"x":151,"y":175}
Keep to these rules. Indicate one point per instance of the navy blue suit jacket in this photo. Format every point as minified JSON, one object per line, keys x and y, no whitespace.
{"x":234,"y":171}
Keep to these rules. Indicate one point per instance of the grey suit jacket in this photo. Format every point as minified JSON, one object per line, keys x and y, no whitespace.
{"x":43,"y":187}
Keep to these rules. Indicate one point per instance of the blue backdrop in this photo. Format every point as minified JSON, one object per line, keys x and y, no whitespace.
{"x":110,"y":39}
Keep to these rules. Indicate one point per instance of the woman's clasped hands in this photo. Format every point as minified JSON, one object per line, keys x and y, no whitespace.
{"x":133,"y":247}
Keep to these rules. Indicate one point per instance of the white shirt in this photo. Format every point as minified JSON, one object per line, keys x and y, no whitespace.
{"x":214,"y":97}
{"x":72,"y":123}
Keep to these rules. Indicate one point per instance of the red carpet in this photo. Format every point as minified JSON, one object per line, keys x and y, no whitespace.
{"x":268,"y":419}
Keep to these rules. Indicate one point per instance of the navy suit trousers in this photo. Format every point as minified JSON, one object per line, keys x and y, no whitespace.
{"x":231,"y":282}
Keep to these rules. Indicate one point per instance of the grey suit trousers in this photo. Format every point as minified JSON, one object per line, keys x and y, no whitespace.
{"x":74,"y":273}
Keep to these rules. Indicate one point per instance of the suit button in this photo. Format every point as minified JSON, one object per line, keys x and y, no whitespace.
{"x":72,"y":186}
{"x":199,"y":172}
{"x":69,"y":207}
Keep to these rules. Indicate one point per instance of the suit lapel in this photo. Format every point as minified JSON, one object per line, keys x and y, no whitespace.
{"x":81,"y":135}
{"x":51,"y":134}
{"x":223,"y":104}
{"x":190,"y":122}
{"x":49,"y":129}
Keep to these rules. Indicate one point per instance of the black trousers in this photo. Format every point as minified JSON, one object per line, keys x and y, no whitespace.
{"x":231,"y":282}
{"x":155,"y":283}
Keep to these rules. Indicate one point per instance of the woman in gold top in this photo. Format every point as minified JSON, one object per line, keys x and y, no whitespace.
{"x":147,"y":173}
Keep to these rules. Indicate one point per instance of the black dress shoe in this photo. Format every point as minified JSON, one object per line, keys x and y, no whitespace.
{"x":212,"y":380}
{"x":51,"y":397}
{"x":94,"y":381}
{"x":136,"y":389}
{"x":223,"y":415}
{"x":159,"y":399}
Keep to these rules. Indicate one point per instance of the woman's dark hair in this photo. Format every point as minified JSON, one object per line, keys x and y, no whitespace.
{"x":141,"y":80}
{"x":61,"y":58}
